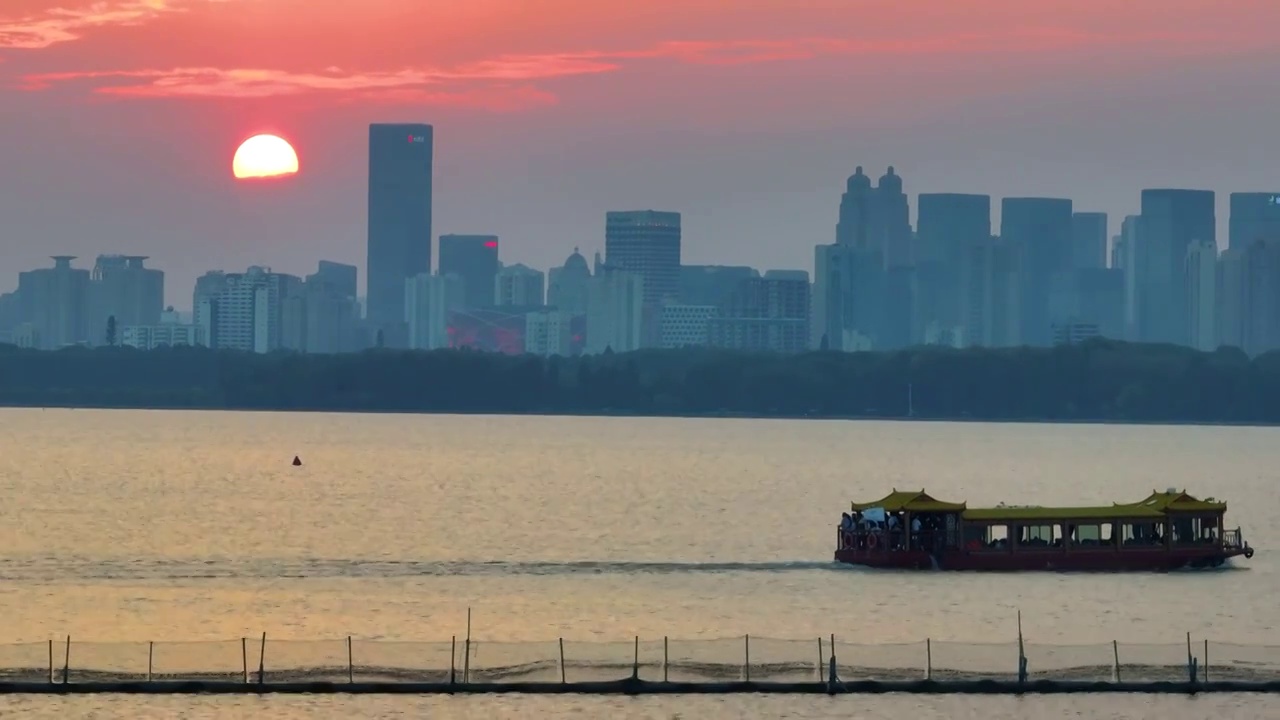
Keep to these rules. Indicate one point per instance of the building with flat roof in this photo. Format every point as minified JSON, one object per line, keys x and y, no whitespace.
{"x":474,"y":259}
{"x":399,"y":222}
{"x":646,"y":243}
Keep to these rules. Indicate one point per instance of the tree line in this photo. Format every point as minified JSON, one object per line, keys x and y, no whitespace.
{"x":1095,"y":380}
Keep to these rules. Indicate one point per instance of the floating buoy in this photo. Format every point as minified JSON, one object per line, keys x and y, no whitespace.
{"x":297,"y":461}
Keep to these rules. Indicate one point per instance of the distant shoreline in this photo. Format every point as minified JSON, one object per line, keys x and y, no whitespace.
{"x":672,"y":416}
{"x":1096,"y":382}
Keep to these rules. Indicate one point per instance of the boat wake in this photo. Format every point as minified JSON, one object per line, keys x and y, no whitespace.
{"x":55,"y":569}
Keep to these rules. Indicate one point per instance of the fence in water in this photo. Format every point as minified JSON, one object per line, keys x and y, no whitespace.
{"x":260,"y":660}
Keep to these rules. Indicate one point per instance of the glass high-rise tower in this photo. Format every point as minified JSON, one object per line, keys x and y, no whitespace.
{"x":399,"y":233}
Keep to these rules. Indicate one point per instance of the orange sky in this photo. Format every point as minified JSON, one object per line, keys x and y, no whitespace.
{"x":703,"y":106}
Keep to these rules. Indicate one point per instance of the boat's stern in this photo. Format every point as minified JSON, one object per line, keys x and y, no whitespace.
{"x":1234,"y":545}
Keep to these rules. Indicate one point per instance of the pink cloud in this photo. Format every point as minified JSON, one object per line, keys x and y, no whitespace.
{"x":58,"y":25}
{"x":504,"y":80}
{"x":208,"y":82}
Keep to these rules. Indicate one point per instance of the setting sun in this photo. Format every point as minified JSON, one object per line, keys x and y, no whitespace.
{"x":264,"y":156}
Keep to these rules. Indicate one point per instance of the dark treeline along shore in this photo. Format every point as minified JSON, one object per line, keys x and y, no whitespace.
{"x":1095,"y":380}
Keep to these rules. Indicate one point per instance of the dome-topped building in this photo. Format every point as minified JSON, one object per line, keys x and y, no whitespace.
{"x":855,"y":211}
{"x":567,"y":285}
{"x":576,"y":263}
{"x":890,"y":182}
{"x":857,"y":182}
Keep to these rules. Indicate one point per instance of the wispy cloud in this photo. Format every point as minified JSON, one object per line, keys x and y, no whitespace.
{"x":502,"y":73}
{"x":60,"y":25}
{"x":508,"y":80}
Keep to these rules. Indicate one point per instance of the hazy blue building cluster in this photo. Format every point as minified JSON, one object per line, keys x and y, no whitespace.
{"x":1049,"y":274}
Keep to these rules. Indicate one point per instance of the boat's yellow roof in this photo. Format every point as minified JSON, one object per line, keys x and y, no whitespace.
{"x":1101,"y":512}
{"x":1175,"y":501}
{"x":1155,"y":506}
{"x":909,"y":501}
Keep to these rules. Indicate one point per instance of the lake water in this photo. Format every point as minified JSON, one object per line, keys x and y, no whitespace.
{"x":137,"y":526}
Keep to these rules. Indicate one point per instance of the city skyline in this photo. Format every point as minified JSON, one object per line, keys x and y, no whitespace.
{"x":1254,"y":212}
{"x":128,"y":112}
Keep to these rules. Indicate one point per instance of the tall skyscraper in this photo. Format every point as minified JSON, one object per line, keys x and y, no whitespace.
{"x":855,"y":277}
{"x":853,"y":229}
{"x":399,"y":233}
{"x":1201,"y":278}
{"x":990,"y":294}
{"x":1134,"y":275}
{"x":1172,"y":220}
{"x":474,"y":258}
{"x":949,"y":227}
{"x":891,"y":221}
{"x":647,"y":243}
{"x":1254,"y":216}
{"x":849,"y":311}
{"x":1040,"y":230}
{"x":54,"y":302}
{"x":121,"y":287}
{"x":1262,"y":297}
{"x":1088,"y":240}
{"x":876,"y":219}
{"x":1232,"y":297}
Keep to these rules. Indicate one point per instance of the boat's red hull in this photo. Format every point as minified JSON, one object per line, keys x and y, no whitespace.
{"x":1078,"y":560}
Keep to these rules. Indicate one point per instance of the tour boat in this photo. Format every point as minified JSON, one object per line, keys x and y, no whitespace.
{"x":909,"y":530}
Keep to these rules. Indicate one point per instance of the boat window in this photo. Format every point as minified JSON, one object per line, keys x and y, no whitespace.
{"x":1091,"y":535}
{"x":1143,"y":533}
{"x":1209,"y":530}
{"x":997,"y":536}
{"x":1037,"y":535}
{"x":1193,"y":530}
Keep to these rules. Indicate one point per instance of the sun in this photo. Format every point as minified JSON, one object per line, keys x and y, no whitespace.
{"x":264,"y":156}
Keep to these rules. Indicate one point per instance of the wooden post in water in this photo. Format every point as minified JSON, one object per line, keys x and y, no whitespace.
{"x":1022,"y":657}
{"x":466,"y":653}
{"x":746,"y":659}
{"x":1206,"y":659}
{"x":351,"y":663}
{"x":151,"y":653}
{"x":51,"y":661}
{"x":453,"y":657}
{"x":664,"y":658}
{"x":820,"y":656}
{"x":1115,"y":652}
{"x":562,"y":678}
{"x":833,"y":666}
{"x":262,"y":660}
{"x":244,"y":658}
{"x":1191,"y":661}
{"x":928,"y":659}
{"x":635,"y":663}
{"x":66,"y":662}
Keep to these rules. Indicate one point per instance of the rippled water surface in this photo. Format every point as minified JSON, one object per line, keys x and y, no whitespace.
{"x":123,"y":525}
